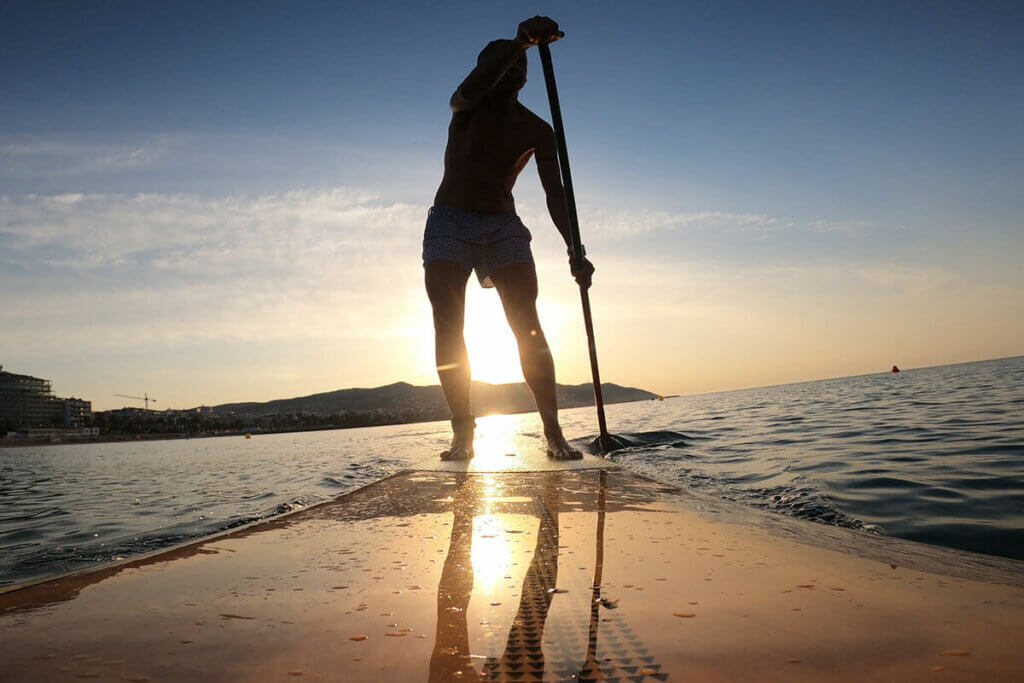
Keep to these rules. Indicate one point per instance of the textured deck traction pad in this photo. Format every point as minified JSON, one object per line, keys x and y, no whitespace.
{"x":511,"y":454}
{"x":527,"y":462}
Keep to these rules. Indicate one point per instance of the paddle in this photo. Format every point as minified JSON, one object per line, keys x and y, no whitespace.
{"x":605,"y":441}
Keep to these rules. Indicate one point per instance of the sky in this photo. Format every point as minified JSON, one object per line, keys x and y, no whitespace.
{"x":215,"y":202}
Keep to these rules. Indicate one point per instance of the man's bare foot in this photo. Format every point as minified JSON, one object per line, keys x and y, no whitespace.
{"x":559,"y":449}
{"x":462,"y":439}
{"x":462,"y":449}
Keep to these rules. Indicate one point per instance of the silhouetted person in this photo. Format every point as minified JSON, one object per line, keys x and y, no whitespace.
{"x":473,"y":226}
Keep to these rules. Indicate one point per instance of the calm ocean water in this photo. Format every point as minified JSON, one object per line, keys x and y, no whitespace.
{"x":933,"y":455}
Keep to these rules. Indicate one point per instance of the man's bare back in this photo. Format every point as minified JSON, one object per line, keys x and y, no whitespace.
{"x":492,"y":135}
{"x":488,"y":146}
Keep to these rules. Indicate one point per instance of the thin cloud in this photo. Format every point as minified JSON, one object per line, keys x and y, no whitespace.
{"x":187,"y":234}
{"x":113,"y":271}
{"x":605,"y":225}
{"x":609,"y":225}
{"x":848,"y":227}
{"x":56,"y":158}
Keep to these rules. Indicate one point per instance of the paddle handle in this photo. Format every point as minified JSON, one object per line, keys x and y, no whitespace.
{"x":563,"y":155}
{"x":576,"y":246}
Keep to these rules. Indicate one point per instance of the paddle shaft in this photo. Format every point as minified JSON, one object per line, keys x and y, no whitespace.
{"x":595,"y":592}
{"x":574,"y":230}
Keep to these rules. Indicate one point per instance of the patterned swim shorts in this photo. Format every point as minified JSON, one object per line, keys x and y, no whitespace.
{"x":477,"y":241}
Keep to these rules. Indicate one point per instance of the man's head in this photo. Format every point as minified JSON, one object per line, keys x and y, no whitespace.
{"x":514,"y":78}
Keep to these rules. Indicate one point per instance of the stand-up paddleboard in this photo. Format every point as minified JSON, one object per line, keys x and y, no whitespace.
{"x":570,"y":571}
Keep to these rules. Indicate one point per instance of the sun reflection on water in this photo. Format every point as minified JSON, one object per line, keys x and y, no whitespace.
{"x":492,"y":554}
{"x":495,"y":441}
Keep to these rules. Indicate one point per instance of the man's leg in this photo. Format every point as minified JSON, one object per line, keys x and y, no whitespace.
{"x":446,"y":287}
{"x":517,"y":286}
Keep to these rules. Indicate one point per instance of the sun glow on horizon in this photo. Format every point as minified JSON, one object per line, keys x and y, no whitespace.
{"x":493,"y":353}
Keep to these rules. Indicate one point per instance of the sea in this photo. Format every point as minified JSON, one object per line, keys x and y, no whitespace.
{"x":934,"y":455}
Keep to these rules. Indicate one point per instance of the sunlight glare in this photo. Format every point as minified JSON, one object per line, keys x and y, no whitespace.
{"x":493,"y":354}
{"x":491,"y":552}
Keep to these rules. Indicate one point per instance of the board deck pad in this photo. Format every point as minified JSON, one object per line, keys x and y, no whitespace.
{"x":580,"y":575}
{"x":510,"y":453}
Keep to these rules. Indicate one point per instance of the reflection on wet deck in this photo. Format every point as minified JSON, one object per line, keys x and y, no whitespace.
{"x":486,"y":547}
{"x":574,"y":575}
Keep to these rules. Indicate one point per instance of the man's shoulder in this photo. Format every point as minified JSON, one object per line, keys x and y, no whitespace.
{"x":533,"y":119}
{"x":540,"y":130}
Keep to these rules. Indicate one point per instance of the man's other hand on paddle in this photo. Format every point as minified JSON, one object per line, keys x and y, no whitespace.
{"x":584,"y":276}
{"x":538,"y":30}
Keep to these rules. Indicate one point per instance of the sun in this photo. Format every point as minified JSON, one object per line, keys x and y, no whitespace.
{"x":493,"y":354}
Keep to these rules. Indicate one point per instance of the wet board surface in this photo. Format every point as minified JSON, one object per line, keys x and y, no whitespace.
{"x":511,"y":453}
{"x":580,"y":575}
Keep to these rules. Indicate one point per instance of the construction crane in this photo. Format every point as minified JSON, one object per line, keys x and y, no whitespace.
{"x":144,"y":398}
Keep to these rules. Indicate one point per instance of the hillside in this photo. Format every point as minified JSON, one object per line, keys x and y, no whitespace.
{"x":487,"y":399}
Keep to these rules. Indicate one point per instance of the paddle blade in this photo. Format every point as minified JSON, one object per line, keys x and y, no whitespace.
{"x":609,"y":442}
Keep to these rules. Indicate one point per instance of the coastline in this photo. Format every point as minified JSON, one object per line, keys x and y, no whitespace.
{"x":169,"y":436}
{"x":172,"y":436}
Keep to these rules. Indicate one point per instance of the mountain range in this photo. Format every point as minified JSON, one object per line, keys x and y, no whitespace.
{"x":402,"y":396}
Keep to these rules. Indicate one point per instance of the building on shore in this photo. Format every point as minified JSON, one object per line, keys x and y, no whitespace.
{"x":29,"y":402}
{"x":77,"y":412}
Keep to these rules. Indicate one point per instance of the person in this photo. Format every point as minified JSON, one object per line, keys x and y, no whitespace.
{"x":473,"y":226}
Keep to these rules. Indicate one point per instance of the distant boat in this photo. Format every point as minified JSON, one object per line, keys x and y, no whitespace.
{"x":895,"y":369}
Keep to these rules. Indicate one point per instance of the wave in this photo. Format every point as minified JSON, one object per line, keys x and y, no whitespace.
{"x":667,"y":456}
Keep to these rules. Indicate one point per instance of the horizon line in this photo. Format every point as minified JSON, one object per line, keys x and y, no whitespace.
{"x":624,"y":386}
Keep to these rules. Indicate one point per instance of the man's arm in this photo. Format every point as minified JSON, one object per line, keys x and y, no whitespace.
{"x":485,"y":76}
{"x":545,"y":152}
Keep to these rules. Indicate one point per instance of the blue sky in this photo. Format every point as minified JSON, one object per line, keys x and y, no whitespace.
{"x":191,"y":192}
